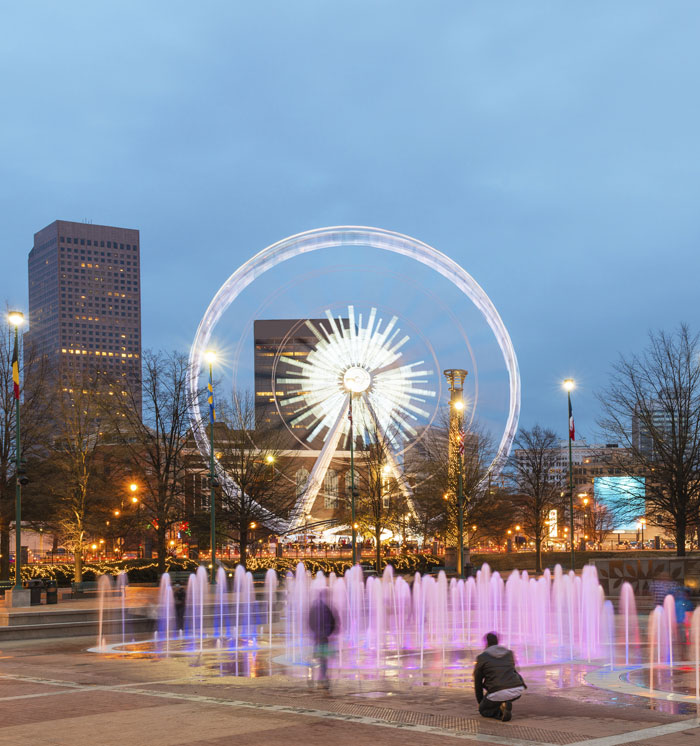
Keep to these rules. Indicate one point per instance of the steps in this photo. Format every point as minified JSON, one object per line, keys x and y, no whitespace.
{"x":42,"y":624}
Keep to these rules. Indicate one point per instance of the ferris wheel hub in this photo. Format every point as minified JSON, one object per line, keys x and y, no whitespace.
{"x":357,"y":379}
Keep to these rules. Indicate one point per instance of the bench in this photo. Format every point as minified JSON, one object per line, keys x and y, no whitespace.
{"x":6,"y":585}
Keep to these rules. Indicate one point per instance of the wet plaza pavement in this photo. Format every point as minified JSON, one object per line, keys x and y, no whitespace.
{"x":55,"y":692}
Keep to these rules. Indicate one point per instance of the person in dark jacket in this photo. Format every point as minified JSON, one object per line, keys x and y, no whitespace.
{"x":179,"y":599}
{"x":323,"y":624}
{"x":496,"y":682}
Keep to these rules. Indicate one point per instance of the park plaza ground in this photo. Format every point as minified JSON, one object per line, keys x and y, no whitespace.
{"x":255,"y":691}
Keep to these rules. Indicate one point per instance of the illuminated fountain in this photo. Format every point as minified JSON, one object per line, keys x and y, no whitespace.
{"x":418,"y":626}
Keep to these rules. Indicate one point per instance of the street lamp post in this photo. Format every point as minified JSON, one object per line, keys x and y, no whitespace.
{"x":210,"y":358}
{"x":16,"y":318}
{"x":455,"y":379}
{"x":459,"y":406}
{"x":133,"y":488}
{"x":569,"y":385}
{"x":352,"y":486}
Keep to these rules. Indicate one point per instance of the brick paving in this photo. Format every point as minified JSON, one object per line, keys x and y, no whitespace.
{"x":54,"y":693}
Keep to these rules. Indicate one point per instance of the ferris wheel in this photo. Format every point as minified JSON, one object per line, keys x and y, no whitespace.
{"x":360,"y":377}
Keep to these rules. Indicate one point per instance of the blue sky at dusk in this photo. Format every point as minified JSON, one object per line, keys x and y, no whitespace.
{"x":550,"y":148}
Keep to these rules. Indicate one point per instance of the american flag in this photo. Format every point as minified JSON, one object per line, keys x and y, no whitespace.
{"x":461,"y":441}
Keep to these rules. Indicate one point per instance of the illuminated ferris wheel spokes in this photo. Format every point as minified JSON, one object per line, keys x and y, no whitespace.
{"x":362,"y":361}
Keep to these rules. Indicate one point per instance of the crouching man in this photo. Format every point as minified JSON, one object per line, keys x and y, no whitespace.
{"x":496,"y":682}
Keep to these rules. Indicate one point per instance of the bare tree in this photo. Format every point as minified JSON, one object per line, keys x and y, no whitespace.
{"x":74,"y":468}
{"x":598,"y":522}
{"x":536,"y":485}
{"x":152,"y":426}
{"x":652,"y":407}
{"x":253,"y":457}
{"x":381,"y":502}
{"x":436,"y":480}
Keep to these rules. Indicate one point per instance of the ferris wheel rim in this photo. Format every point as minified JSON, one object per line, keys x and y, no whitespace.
{"x":333,"y":237}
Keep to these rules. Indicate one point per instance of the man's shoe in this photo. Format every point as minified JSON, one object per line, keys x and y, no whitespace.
{"x":506,"y":711}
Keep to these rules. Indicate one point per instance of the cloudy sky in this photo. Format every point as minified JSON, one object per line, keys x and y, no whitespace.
{"x":551,"y":148}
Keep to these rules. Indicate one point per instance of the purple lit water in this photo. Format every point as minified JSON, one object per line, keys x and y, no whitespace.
{"x":420,"y":623}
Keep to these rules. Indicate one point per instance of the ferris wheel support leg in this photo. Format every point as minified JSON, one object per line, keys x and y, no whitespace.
{"x":313,"y":483}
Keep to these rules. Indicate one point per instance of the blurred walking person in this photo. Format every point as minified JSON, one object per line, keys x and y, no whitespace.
{"x":496,"y":682}
{"x":323,"y":624}
{"x":179,"y":599}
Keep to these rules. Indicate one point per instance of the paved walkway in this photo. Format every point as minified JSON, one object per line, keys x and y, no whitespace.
{"x":54,"y":693}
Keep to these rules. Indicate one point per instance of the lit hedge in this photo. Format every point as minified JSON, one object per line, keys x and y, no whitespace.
{"x":146,"y":571}
{"x":404,"y":564}
{"x":138,"y":571}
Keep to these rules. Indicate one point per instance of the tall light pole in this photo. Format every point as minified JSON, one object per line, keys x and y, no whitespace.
{"x":16,"y":318}
{"x":455,"y":380}
{"x":568,"y":386}
{"x":210,"y":357}
{"x":352,"y":486}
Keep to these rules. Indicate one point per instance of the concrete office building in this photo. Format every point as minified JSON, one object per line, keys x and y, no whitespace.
{"x":274,"y":339}
{"x":85,"y":301}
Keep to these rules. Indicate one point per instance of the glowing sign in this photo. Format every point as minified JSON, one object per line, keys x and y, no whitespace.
{"x":624,"y":497}
{"x":553,"y":526}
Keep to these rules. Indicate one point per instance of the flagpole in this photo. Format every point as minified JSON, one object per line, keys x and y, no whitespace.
{"x":18,"y":465}
{"x":568,"y":385}
{"x":210,"y":356}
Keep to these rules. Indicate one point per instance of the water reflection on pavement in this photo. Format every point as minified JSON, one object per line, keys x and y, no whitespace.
{"x":453,"y":670}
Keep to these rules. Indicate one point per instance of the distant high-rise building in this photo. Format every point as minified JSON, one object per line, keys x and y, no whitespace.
{"x":274,"y":338}
{"x":85,"y":301}
{"x":651,"y":426}
{"x":291,"y":339}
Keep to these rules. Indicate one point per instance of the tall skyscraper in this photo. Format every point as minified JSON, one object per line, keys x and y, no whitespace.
{"x":85,"y":301}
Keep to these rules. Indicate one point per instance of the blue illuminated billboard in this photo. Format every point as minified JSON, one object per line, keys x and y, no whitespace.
{"x":624,"y":497}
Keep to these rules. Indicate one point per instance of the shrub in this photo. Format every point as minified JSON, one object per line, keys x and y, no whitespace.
{"x":146,"y":571}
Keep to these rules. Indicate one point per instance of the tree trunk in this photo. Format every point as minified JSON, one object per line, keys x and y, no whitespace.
{"x":243,"y":546}
{"x":680,"y":536}
{"x":78,"y":564}
{"x":160,"y":537}
{"x":378,"y":549}
{"x":538,"y":553}
{"x":4,"y":552}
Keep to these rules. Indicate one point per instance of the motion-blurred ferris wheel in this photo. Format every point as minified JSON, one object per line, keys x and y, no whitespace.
{"x":362,"y":373}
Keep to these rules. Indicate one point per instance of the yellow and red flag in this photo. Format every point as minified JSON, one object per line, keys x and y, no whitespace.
{"x":15,"y":368}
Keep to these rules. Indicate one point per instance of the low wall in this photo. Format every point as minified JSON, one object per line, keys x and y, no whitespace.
{"x":639,"y":573}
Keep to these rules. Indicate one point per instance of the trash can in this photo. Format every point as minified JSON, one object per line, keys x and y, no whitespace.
{"x":36,"y":586}
{"x":51,"y":591}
